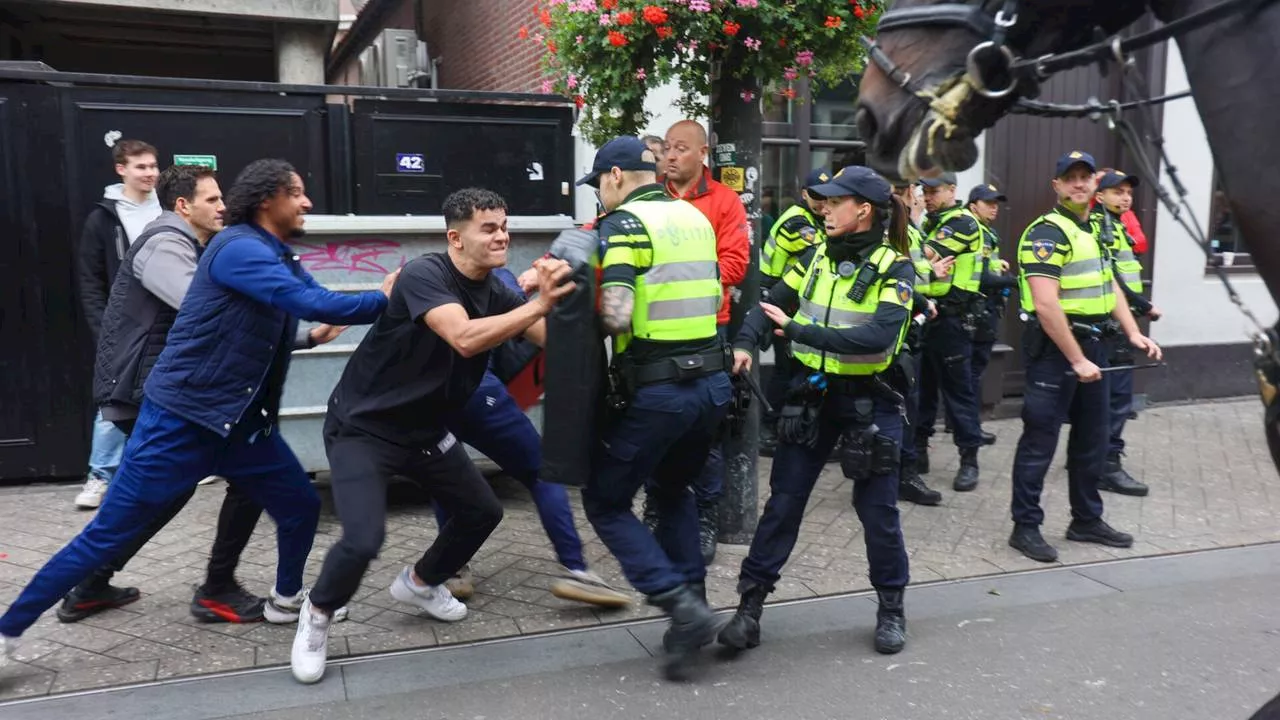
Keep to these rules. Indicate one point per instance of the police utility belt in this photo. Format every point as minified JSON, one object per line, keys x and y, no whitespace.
{"x":673,"y":369}
{"x":1085,"y":328}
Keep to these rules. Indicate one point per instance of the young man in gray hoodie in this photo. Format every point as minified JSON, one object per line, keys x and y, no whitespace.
{"x":145,"y":297}
{"x":111,"y":227}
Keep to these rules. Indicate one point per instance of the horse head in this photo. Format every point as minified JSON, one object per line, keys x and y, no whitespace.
{"x":942,"y":72}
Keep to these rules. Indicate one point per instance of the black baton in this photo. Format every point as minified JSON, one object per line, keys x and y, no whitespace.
{"x":1118,"y":368}
{"x":755,"y":389}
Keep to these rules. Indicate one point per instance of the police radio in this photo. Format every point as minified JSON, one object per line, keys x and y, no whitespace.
{"x":862,"y":283}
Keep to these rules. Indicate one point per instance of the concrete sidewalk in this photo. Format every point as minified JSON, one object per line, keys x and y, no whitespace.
{"x":1212,"y":482}
{"x":1190,"y":636}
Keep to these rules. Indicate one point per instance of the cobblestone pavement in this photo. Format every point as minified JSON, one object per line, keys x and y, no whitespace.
{"x":1212,"y":485}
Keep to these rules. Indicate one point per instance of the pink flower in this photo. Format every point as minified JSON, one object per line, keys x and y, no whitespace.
{"x":538,"y":37}
{"x":605,"y":19}
{"x":641,"y":74}
{"x":572,"y":82}
{"x":804,"y":58}
{"x":583,"y":6}
{"x":578,"y":39}
{"x":546,"y":87}
{"x":748,"y":3}
{"x":700,"y":5}
{"x":748,"y":96}
{"x":750,"y":42}
{"x":790,"y":73}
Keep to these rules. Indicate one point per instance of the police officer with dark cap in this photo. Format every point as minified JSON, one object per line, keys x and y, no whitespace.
{"x":1114,"y":198}
{"x":660,"y":290}
{"x":952,"y":231}
{"x":845,"y":311}
{"x":796,"y":232}
{"x":1071,"y":304}
{"x":997,"y":283}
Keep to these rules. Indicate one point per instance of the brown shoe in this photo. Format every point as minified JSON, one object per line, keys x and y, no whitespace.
{"x":461,"y":585}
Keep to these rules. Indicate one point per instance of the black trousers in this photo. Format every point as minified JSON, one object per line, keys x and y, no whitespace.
{"x":236,"y":520}
{"x":360,"y":466}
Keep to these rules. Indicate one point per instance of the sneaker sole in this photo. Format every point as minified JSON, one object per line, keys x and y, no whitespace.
{"x":1076,"y":537}
{"x":1134,"y":492}
{"x":78,"y":614}
{"x":603,"y":597}
{"x":220,"y":613}
{"x":407,"y":596}
{"x":1042,"y":558}
{"x":277,"y":615}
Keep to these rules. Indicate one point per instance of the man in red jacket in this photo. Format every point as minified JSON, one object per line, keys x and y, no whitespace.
{"x":686,"y":176}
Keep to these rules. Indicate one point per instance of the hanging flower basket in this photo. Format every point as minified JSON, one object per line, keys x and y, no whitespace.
{"x":606,"y":54}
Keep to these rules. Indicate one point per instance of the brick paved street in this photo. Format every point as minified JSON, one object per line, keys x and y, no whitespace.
{"x":1212,"y":484}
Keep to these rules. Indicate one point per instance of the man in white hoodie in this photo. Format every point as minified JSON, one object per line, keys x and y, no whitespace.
{"x":113,"y":224}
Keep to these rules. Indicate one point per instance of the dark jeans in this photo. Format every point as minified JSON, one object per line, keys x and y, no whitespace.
{"x":948,"y":362}
{"x":360,"y":466}
{"x":1051,"y":396}
{"x":1121,"y":402}
{"x":236,"y":520}
{"x":663,"y":436}
{"x":775,"y":391}
{"x":796,"y":469}
{"x":164,"y":459}
{"x":709,"y":485}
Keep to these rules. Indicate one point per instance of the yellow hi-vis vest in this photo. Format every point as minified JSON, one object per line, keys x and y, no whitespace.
{"x":1087,"y":286}
{"x":966,"y":274}
{"x":783,"y":246}
{"x":926,"y":284}
{"x":678,"y":291}
{"x":824,"y":301}
{"x":1110,"y":232}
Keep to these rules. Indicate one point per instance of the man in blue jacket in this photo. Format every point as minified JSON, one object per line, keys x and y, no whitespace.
{"x":211,"y":402}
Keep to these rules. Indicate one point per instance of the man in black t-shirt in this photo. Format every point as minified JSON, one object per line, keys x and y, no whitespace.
{"x":418,"y":365}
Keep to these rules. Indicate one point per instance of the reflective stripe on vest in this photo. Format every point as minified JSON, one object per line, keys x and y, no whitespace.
{"x":678,"y":294}
{"x":966,"y":274}
{"x":1086,"y":285}
{"x":775,"y":261}
{"x":828,"y":305}
{"x":1127,"y":268}
{"x":925,"y":284}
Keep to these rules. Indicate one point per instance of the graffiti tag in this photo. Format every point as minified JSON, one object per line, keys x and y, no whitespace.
{"x":369,"y":256}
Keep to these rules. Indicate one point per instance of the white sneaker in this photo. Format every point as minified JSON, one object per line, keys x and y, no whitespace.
{"x":436,"y":600}
{"x":281,"y":610}
{"x":210,"y":480}
{"x":310,"y":645}
{"x":91,"y":496}
{"x":588,"y":587}
{"x":8,"y":649}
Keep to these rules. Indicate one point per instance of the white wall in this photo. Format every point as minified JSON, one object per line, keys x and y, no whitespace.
{"x":1196,"y":308}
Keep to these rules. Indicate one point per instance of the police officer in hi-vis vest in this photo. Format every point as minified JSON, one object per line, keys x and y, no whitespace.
{"x":911,"y":487}
{"x":1114,"y":198}
{"x":660,"y":290}
{"x":845,"y":312}
{"x":1072,"y":305}
{"x":952,"y":231}
{"x":798,"y":229}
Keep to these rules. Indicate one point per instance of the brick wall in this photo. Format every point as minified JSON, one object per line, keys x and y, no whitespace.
{"x":477,"y":44}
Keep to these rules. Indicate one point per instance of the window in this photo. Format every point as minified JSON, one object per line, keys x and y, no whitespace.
{"x":1227,"y":248}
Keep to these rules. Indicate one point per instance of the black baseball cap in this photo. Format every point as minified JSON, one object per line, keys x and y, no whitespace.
{"x":816,"y":177}
{"x":945,"y":178}
{"x":985,"y":192}
{"x":625,"y":153}
{"x":1073,"y":158}
{"x":1114,"y":178}
{"x":856,"y":180}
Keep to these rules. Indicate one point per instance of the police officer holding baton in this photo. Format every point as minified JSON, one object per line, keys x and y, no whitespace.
{"x":845,"y":312}
{"x":1071,"y":303}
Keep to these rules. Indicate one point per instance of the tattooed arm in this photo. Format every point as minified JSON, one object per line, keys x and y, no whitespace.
{"x":616,"y":305}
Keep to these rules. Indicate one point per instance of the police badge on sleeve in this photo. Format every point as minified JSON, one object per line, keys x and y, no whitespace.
{"x":1042,"y":249}
{"x":904,"y":292}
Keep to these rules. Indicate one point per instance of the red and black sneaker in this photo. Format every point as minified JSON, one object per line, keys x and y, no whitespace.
{"x":233,"y":605}
{"x":82,"y":602}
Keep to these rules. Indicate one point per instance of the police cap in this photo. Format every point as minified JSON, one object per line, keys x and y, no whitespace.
{"x":946,"y":178}
{"x":1114,"y":178}
{"x":987,"y":193}
{"x":858,"y":181}
{"x":1073,"y":158}
{"x":625,"y":153}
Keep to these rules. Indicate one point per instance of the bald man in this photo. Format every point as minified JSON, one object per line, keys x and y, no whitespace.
{"x":686,"y":176}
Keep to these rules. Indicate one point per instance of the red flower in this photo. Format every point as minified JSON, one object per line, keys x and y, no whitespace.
{"x":608,"y":4}
{"x":654,"y":15}
{"x":544,"y":17}
{"x":731,"y":28}
{"x":524,"y":33}
{"x":626,"y":17}
{"x":858,"y":12}
{"x":664,"y":31}
{"x":782,"y":42}
{"x":551,"y":46}
{"x":617,"y":39}
{"x":579,"y":101}
{"x":833,"y":21}
{"x":789,"y":93}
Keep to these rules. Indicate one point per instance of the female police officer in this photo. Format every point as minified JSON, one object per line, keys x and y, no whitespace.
{"x":845,"y":312}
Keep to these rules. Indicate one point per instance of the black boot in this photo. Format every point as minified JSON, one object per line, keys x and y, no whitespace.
{"x":650,"y":513}
{"x":1117,"y":480}
{"x":913,"y":489}
{"x":692,"y":626}
{"x":891,"y":622}
{"x":768,"y":438}
{"x":92,"y":597}
{"x":922,"y":456}
{"x":743,"y":631}
{"x":967,"y":475}
{"x":987,"y":438}
{"x":708,"y":527}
